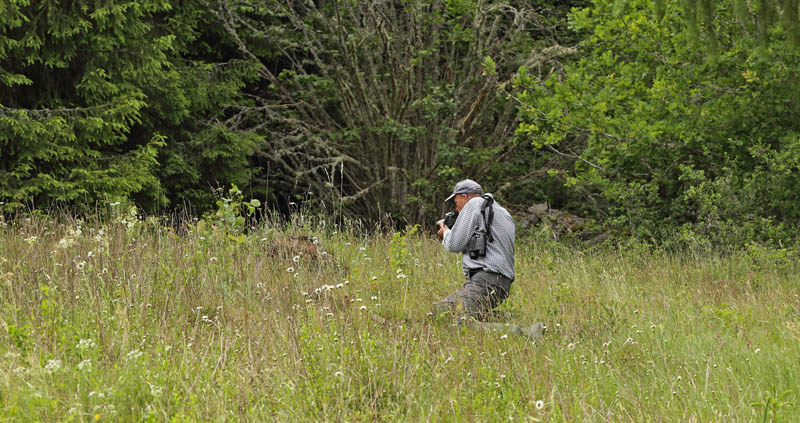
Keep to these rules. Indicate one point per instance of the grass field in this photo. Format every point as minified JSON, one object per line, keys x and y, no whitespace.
{"x":130,"y":321}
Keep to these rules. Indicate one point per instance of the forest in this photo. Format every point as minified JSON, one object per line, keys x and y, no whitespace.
{"x":673,"y":123}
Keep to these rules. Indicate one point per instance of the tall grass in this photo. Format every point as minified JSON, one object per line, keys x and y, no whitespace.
{"x":128,"y":320}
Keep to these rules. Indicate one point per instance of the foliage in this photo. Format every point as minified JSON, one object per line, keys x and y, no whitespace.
{"x":113,"y":101}
{"x":373,"y":109}
{"x":665,"y":140}
{"x":378,"y":107}
{"x":757,"y":19}
{"x":231,"y":215}
{"x":401,"y":248}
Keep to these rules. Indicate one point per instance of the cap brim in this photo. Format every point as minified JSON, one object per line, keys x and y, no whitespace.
{"x":450,"y":198}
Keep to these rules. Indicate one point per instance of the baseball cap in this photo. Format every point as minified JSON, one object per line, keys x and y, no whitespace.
{"x":467,"y":186}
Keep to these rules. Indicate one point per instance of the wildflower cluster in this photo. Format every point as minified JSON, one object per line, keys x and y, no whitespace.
{"x":72,"y":236}
{"x":52,"y":366}
{"x":85,"y":344}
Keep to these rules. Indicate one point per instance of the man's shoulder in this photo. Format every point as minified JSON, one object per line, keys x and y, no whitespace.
{"x":473,"y":204}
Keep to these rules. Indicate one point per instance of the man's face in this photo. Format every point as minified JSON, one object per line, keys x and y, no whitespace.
{"x":461,"y":200}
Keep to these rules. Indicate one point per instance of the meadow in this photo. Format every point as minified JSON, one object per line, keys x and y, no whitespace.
{"x":124,"y":319}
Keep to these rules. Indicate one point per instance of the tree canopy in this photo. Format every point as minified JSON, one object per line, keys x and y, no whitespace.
{"x":673,"y":122}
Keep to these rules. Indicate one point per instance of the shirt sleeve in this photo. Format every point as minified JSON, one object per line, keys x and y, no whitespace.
{"x":457,"y":238}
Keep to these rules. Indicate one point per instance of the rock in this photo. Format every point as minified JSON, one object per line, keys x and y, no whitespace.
{"x":560,"y":223}
{"x":538,"y":209}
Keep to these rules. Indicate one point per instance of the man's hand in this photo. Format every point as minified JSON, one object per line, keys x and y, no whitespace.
{"x":442,"y":228}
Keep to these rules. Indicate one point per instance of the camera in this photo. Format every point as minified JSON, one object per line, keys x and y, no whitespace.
{"x":449,"y":220}
{"x":477,"y":245}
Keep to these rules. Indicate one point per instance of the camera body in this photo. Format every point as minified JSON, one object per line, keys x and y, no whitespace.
{"x":449,"y":219}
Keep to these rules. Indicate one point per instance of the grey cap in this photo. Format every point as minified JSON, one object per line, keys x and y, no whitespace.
{"x":467,"y":186}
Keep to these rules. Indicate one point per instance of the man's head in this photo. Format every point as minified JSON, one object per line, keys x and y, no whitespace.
{"x":464,"y":191}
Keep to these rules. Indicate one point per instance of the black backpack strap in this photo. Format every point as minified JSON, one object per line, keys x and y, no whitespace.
{"x":487,"y":203}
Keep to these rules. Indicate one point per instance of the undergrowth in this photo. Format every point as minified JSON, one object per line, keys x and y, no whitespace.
{"x":129,"y":319}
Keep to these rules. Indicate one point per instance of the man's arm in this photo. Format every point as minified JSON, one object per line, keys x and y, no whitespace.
{"x":457,"y":238}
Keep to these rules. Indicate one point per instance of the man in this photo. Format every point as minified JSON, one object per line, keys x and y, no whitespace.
{"x":489,"y":275}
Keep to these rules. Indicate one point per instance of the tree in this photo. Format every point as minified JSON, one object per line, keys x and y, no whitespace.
{"x":668,"y":141}
{"x":379,"y":106}
{"x":756,"y":18}
{"x":123,"y":99}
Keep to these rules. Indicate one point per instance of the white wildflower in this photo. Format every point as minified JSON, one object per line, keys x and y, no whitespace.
{"x":155,"y":390}
{"x":52,"y":366}
{"x":65,"y":243}
{"x":85,"y":365}
{"x":133,"y":355}
{"x":85,"y":344}
{"x":539,"y":405}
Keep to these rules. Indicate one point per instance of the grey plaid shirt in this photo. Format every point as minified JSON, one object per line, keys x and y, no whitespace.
{"x":499,"y":254}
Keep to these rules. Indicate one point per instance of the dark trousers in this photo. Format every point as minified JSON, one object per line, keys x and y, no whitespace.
{"x":482,"y":292}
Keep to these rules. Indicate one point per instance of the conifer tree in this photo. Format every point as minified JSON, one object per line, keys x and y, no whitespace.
{"x":113,"y":100}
